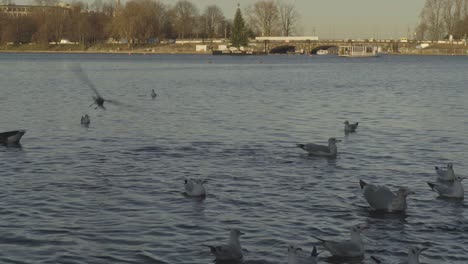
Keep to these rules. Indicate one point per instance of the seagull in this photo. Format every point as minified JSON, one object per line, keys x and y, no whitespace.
{"x":85,"y":120}
{"x":449,"y":189}
{"x":413,"y":254}
{"x":381,"y":198}
{"x":294,"y":256}
{"x":445,"y":174}
{"x":195,"y":187}
{"x":153,"y":94}
{"x":321,"y":150}
{"x":98,"y":100}
{"x":11,"y":137}
{"x":347,"y":248}
{"x":349,"y":128}
{"x":231,"y":251}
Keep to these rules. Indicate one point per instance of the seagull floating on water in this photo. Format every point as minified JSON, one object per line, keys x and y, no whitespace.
{"x":11,"y":137}
{"x":449,"y":189}
{"x":231,"y":251}
{"x":381,"y":198}
{"x":294,"y":256}
{"x":85,"y":120}
{"x":413,"y":254}
{"x":347,"y":248}
{"x":153,"y":94}
{"x":195,"y":187}
{"x":350,"y":128}
{"x":445,"y":174}
{"x":321,"y":150}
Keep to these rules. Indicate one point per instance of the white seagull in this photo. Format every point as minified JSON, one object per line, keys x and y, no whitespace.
{"x":347,"y":248}
{"x":445,"y":174}
{"x":381,"y":198}
{"x":413,"y":254}
{"x":194,"y":187}
{"x":349,"y":128}
{"x":231,"y":251}
{"x":294,"y":256}
{"x":321,"y":150}
{"x":449,"y":189}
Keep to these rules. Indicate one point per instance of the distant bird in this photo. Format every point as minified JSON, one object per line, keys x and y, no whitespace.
{"x":413,"y":254}
{"x":153,"y":94}
{"x":294,"y":256}
{"x":231,"y":251}
{"x":445,"y":174}
{"x":321,"y":150}
{"x":381,"y":198}
{"x":350,"y":128}
{"x":449,"y":189}
{"x":347,"y":248}
{"x":11,"y":137}
{"x":195,"y":187}
{"x":85,"y":120}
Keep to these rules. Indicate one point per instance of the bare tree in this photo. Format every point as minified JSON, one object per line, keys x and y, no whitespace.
{"x":185,"y":14}
{"x":263,"y":17}
{"x":212,"y":20}
{"x":432,"y":16}
{"x":289,"y":18}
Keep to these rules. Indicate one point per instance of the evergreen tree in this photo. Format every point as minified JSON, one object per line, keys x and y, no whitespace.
{"x":239,"y":34}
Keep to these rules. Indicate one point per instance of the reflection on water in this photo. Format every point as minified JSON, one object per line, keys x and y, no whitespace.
{"x":113,"y":192}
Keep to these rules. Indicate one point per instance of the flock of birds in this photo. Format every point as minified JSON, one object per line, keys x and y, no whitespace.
{"x":380,"y":198}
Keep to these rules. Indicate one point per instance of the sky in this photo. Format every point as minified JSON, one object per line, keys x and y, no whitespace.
{"x":343,"y":19}
{"x":336,"y":19}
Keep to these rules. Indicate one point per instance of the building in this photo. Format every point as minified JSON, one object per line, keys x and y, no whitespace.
{"x":24,"y":10}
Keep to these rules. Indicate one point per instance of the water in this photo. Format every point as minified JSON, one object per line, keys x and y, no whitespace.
{"x":112,"y":193}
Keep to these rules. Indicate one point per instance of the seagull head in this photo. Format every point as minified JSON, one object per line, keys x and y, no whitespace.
{"x":449,"y":165}
{"x":293,"y":249}
{"x":459,"y":178}
{"x":405,"y":191}
{"x":333,"y":141}
{"x":359,"y":228}
{"x":236,"y":232}
{"x":414,"y":251}
{"x":346,"y":122}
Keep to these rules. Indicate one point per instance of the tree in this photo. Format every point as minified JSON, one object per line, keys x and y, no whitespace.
{"x":264,"y":17}
{"x":289,"y":18}
{"x":212,"y":21}
{"x":238,"y":35}
{"x":185,"y":14}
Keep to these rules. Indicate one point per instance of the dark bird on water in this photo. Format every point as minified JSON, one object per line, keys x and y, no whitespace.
{"x":11,"y":137}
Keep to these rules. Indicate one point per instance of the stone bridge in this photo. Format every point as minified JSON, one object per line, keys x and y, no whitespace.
{"x":310,"y":45}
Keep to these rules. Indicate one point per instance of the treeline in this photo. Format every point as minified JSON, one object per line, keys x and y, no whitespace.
{"x":141,"y":21}
{"x":442,"y":18}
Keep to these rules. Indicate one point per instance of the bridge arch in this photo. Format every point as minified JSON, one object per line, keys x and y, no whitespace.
{"x":322,"y":47}
{"x":283,"y":49}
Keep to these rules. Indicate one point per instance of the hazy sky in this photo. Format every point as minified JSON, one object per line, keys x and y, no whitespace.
{"x":343,"y":18}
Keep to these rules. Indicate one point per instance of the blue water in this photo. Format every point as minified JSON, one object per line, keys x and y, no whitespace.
{"x":112,"y":193}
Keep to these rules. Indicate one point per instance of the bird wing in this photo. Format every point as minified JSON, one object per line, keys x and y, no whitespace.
{"x":444,"y":190}
{"x":315,"y":148}
{"x":76,"y":68}
{"x":343,"y":249}
{"x":378,"y":197}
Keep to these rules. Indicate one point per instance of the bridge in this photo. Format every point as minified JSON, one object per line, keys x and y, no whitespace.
{"x":312,"y":44}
